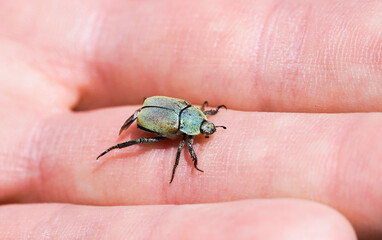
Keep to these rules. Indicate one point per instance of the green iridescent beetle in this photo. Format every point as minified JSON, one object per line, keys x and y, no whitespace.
{"x":170,"y":117}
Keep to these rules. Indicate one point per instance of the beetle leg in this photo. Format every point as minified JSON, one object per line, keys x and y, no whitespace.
{"x":192,"y":152}
{"x":132,"y":142}
{"x":181,"y":144}
{"x":213,"y":112}
{"x":129,"y":121}
{"x":204,"y":105}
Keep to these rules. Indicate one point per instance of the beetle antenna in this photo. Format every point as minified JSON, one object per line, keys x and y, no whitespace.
{"x":221,"y":127}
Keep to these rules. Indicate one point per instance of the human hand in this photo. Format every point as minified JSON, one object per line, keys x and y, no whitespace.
{"x":66,"y":66}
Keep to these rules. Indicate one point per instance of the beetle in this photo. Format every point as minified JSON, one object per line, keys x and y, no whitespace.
{"x":169,"y":117}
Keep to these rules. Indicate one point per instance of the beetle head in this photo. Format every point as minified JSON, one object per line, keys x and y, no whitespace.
{"x":207,"y":128}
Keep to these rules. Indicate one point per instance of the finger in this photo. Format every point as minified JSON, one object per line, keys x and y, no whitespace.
{"x":332,"y":159}
{"x":311,"y":56}
{"x":293,"y":219}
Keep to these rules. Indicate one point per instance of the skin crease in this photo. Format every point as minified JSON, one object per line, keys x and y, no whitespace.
{"x":289,"y":56}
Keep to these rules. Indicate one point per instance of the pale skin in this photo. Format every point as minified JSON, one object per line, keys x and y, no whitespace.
{"x":297,"y":173}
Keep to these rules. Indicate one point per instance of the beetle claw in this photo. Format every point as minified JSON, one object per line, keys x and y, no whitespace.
{"x":129,"y":121}
{"x":200,"y":170}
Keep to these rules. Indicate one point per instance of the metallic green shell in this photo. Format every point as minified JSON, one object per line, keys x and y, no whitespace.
{"x":160,"y":115}
{"x":191,"y":119}
{"x":163,"y":122}
{"x":166,"y":102}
